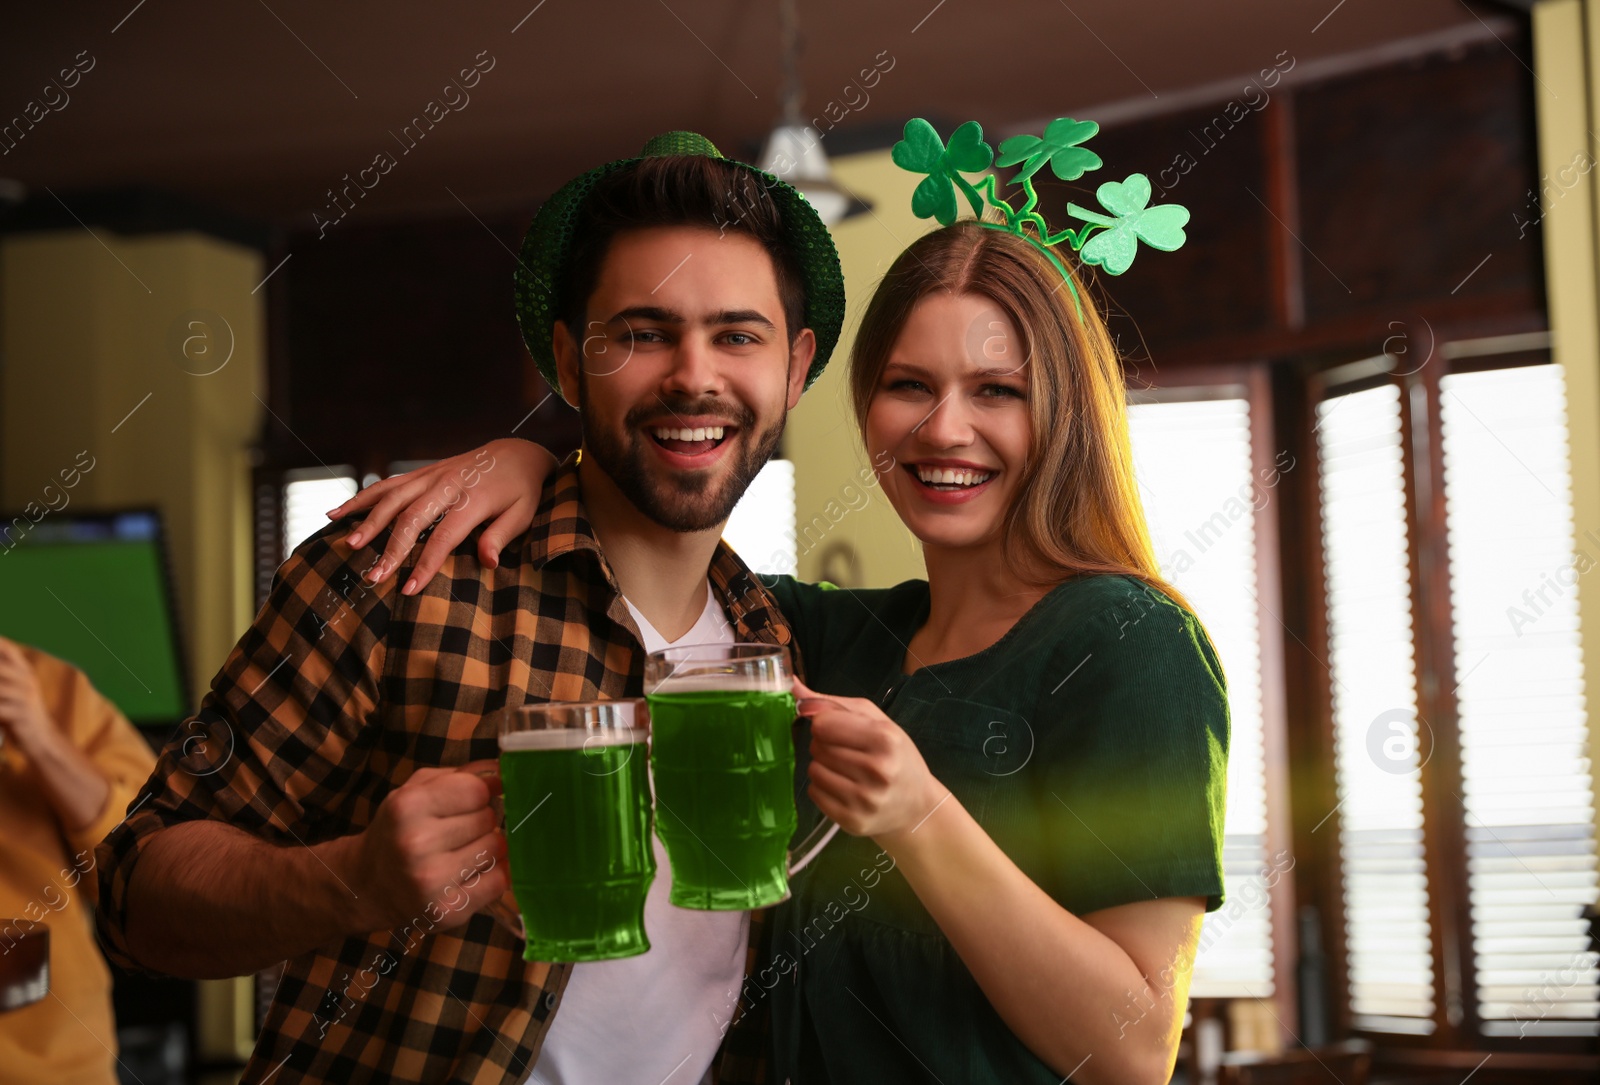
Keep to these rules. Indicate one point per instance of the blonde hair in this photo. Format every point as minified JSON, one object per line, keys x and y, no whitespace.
{"x":1076,"y":510}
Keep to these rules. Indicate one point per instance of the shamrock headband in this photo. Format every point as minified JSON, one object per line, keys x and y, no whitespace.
{"x":1116,"y":233}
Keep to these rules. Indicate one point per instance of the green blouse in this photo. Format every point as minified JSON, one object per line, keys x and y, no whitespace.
{"x":1090,"y":742}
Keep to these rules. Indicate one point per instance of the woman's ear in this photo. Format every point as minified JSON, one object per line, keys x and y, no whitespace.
{"x":566,"y":352}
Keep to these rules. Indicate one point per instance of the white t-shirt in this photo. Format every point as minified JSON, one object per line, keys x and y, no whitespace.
{"x":656,"y":1017}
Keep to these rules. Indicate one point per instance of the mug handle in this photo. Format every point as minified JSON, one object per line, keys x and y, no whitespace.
{"x":808,"y":849}
{"x":507,"y":915}
{"x":503,"y":909}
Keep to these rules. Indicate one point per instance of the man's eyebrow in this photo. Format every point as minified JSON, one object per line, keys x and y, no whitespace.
{"x":656,"y":313}
{"x":741,"y":316}
{"x":661,"y":315}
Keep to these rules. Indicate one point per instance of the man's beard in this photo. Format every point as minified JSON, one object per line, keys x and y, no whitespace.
{"x":681,"y":501}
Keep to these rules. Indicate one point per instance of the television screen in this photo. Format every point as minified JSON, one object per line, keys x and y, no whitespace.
{"x":93,"y":590}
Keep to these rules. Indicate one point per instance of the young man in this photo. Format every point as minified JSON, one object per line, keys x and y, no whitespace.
{"x":681,"y":302}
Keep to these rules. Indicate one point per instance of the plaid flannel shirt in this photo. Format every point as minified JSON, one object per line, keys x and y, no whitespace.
{"x":339,"y":691}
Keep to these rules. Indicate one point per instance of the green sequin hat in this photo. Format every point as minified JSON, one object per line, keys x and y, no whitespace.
{"x":545,"y":249}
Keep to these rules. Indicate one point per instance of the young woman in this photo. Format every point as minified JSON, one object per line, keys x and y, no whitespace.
{"x":1026,"y":752}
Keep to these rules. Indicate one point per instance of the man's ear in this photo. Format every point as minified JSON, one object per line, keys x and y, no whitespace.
{"x":800,"y":355}
{"x":567,"y":362}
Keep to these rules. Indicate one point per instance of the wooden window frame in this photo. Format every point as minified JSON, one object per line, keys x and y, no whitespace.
{"x":1456,"y":1032}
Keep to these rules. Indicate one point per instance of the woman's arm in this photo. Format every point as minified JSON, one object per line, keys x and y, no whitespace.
{"x":500,"y":481}
{"x":1099,"y":998}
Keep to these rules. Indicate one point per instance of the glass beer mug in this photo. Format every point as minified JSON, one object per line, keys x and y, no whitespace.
{"x":722,"y":757}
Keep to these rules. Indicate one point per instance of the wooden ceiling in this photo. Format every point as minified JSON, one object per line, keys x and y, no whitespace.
{"x":259,"y":107}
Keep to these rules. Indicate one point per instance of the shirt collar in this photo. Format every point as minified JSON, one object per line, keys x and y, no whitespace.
{"x":561,"y":526}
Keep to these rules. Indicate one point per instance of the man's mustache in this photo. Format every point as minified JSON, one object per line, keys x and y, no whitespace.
{"x":664,"y":411}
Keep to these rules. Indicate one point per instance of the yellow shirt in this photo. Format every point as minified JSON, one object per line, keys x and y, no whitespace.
{"x":47,"y":877}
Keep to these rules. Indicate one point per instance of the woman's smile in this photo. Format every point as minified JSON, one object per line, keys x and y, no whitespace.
{"x":950,"y":481}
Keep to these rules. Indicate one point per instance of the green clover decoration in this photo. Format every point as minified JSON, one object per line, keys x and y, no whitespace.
{"x":922,"y":151}
{"x":1107,"y":240}
{"x":1159,"y":227}
{"x":1059,"y":147}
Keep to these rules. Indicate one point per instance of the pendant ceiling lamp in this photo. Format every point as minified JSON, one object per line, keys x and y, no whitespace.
{"x":793,"y":151}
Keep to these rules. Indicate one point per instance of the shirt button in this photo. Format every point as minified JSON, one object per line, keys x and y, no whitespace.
{"x":550,"y":1001}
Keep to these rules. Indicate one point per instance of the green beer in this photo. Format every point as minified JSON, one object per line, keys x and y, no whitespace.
{"x":723,"y":760}
{"x":577,"y":821}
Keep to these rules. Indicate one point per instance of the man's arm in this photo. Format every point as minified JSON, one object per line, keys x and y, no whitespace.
{"x":208,"y":900}
{"x":261,"y":834}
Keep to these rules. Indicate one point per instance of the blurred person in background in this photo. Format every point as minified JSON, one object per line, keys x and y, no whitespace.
{"x":70,"y":763}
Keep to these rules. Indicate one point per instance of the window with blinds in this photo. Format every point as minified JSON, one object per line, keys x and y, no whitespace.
{"x":307,"y":496}
{"x":1527,"y":790}
{"x":1378,"y":742}
{"x":1193,"y":461}
{"x":762,"y":527}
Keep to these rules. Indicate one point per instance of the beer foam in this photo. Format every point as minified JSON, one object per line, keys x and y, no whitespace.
{"x":571,"y":738}
{"x":731,"y":683}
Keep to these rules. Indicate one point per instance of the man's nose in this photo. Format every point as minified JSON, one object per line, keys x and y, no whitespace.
{"x":695,"y":369}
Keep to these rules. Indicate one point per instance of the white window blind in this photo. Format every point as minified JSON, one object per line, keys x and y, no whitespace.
{"x":761,"y":528}
{"x":307,"y":496}
{"x":1193,"y":463}
{"x":1527,"y":781}
{"x":1377,"y":748}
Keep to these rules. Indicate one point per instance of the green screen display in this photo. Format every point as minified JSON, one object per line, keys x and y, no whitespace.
{"x":93,"y":591}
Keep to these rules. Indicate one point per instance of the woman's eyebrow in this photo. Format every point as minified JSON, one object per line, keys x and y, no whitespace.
{"x":976,"y":374}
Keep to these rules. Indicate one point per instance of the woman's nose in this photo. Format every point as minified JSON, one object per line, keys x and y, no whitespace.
{"x":948,"y":424}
